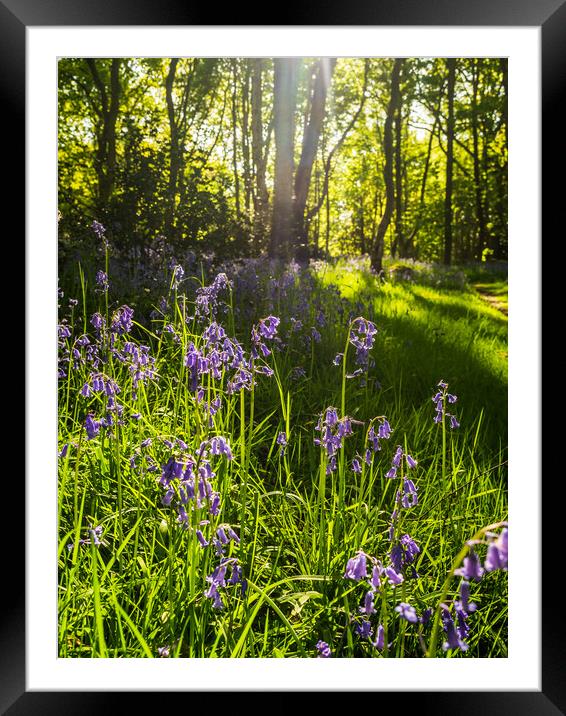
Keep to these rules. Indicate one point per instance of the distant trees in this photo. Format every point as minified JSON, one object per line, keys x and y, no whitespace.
{"x":290,"y":156}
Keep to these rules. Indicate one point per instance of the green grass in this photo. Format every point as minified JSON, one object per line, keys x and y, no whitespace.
{"x":143,"y":587}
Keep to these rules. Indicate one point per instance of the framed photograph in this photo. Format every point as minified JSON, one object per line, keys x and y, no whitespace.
{"x":219,"y":499}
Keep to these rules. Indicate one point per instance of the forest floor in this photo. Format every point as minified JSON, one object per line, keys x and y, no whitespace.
{"x":345,"y":465}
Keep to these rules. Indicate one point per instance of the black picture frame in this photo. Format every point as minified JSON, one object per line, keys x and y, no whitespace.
{"x":550,"y":16}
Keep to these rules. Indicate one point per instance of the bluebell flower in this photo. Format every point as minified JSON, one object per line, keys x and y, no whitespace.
{"x":323,"y":649}
{"x":453,"y":639}
{"x":471,"y":567}
{"x":395,"y":578}
{"x":368,"y":607}
{"x":213,"y":593}
{"x":411,"y":462}
{"x":376,"y":572}
{"x":92,"y":427}
{"x":379,"y":642}
{"x":102,"y":281}
{"x":497,"y":553}
{"x":98,"y":229}
{"x":410,"y":497}
{"x":363,"y":629}
{"x":356,"y":568}
{"x":406,"y":611}
{"x":201,"y":538}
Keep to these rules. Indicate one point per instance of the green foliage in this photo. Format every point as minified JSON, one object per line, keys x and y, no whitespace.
{"x":142,"y":588}
{"x":184,"y":164}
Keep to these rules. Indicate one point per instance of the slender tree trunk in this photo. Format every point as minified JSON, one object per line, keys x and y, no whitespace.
{"x":173,"y":148}
{"x":398,"y":243}
{"x":105,"y":163}
{"x":235,"y":139}
{"x":259,"y":159}
{"x":246,"y":138}
{"x":394,"y":103}
{"x":327,"y":237}
{"x":362,"y":227}
{"x":480,"y":213}
{"x":325,"y":69}
{"x":285,"y":97}
{"x":502,"y":178}
{"x":422,"y":194}
{"x":451,"y":66}
{"x":328,"y":163}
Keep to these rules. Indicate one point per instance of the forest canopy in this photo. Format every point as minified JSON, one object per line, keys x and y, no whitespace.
{"x":290,"y":157}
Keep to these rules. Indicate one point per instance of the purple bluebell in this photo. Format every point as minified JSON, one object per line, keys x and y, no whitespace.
{"x":406,"y":611}
{"x":178,"y":273}
{"x":379,"y":642}
{"x":376,"y":572}
{"x":440,"y":398}
{"x":282,"y":441}
{"x":323,"y":649}
{"x":395,"y":578}
{"x":410,"y":497}
{"x":411,"y":462}
{"x":368,"y":607}
{"x":122,"y":320}
{"x":102,"y":281}
{"x":396,"y":462}
{"x":363,"y":629}
{"x":98,"y":229}
{"x":64,"y":331}
{"x":471,"y":567}
{"x":497,"y":553}
{"x":220,"y":446}
{"x":214,"y":508}
{"x":356,"y":465}
{"x":384,"y":430}
{"x":356,"y":568}
{"x":362,"y":337}
{"x":453,"y":639}
{"x":92,"y":427}
{"x":213,"y":593}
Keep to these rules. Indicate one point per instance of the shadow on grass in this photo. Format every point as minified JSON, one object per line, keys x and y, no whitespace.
{"x":442,"y":339}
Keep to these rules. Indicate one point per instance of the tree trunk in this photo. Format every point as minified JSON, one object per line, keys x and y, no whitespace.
{"x":311,"y":136}
{"x":480,"y":213}
{"x":398,"y":244}
{"x":501,"y":232}
{"x":235,"y":139}
{"x":451,"y":66}
{"x":173,"y":148}
{"x":105,"y":163}
{"x":261,"y":196}
{"x":394,"y":103}
{"x":284,"y":101}
{"x":246,"y":138}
